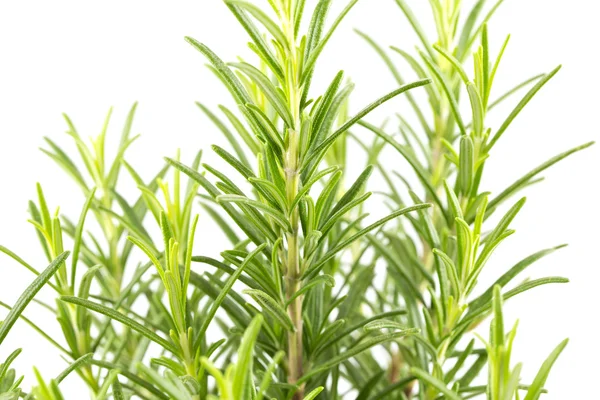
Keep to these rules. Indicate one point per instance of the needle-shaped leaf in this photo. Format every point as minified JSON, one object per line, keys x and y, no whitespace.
{"x":226,"y":132}
{"x":345,"y":243}
{"x":318,"y":280}
{"x":533,"y":284}
{"x":412,"y":19}
{"x":262,"y":17}
{"x":524,"y":101}
{"x":278,"y":216}
{"x":224,"y":292}
{"x":355,"y":190}
{"x":214,"y":192}
{"x":242,"y":378}
{"x":388,"y":62}
{"x":509,"y":275}
{"x":4,"y":367}
{"x":320,"y":150}
{"x":272,"y":307}
{"x":447,"y":91}
{"x":30,"y":293}
{"x":133,"y":377}
{"x":314,"y":393}
{"x":436,"y":383}
{"x":261,"y":46}
{"x":270,"y":91}
{"x":520,"y":183}
{"x":308,"y":185}
{"x":75,"y":365}
{"x":423,"y":175}
{"x":78,"y":237}
{"x":512,"y":91}
{"x":466,"y":164}
{"x":232,"y":82}
{"x":356,"y":328}
{"x":318,"y":48}
{"x":356,"y":350}
{"x":122,"y":318}
{"x":536,"y":388}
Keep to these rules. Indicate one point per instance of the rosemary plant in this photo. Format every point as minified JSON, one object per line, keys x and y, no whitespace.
{"x":292,"y":308}
{"x":436,"y":275}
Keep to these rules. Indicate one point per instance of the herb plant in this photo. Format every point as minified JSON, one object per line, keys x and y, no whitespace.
{"x":312,"y":290}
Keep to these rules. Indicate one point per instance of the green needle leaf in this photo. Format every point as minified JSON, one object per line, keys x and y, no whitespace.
{"x":122,"y":318}
{"x":536,"y":388}
{"x":30,"y":293}
{"x":270,"y":305}
{"x":436,"y":383}
{"x":524,"y":101}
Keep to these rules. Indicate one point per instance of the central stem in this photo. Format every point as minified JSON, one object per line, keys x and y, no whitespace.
{"x":291,"y":168}
{"x":293,"y":272}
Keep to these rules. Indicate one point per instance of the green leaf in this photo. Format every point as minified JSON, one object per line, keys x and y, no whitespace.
{"x":261,"y":46}
{"x":320,"y":150}
{"x":278,"y":216}
{"x":271,"y":306}
{"x":241,"y":130}
{"x":170,"y":384}
{"x":448,"y":91}
{"x":354,"y":351}
{"x":250,"y":230}
{"x":412,"y":19}
{"x":455,"y":63}
{"x":514,"y":90}
{"x":4,"y":367}
{"x":467,"y":29}
{"x":477,"y":109}
{"x":78,"y":237}
{"x":388,"y":62}
{"x":308,"y":185}
{"x":75,"y":365}
{"x":30,"y":293}
{"x":122,"y":318}
{"x":133,"y":377}
{"x":225,"y":290}
{"x":532,"y":284}
{"x":535,"y":390}
{"x":356,"y":189}
{"x":318,"y":280}
{"x":117,"y":390}
{"x":65,"y":162}
{"x":313,"y":393}
{"x":436,"y":383}
{"x":383,"y":324}
{"x":423,"y":175}
{"x":243,"y":368}
{"x":511,"y":274}
{"x":342,"y":245}
{"x":262,"y":17}
{"x":226,"y":132}
{"x":232,"y":82}
{"x":524,"y":101}
{"x":317,"y":48}
{"x":531,"y":174}
{"x":356,"y":327}
{"x":270,"y":91}
{"x":18,"y":259}
{"x":466,"y":165}
{"x":268,"y":375}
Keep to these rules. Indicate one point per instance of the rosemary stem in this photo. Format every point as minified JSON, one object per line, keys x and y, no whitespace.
{"x":293,"y":273}
{"x":293,"y":270}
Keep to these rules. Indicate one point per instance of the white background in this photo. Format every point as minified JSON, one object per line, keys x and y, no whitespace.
{"x":83,"y":57}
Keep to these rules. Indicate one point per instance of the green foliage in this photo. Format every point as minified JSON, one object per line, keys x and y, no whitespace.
{"x":312,"y":298}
